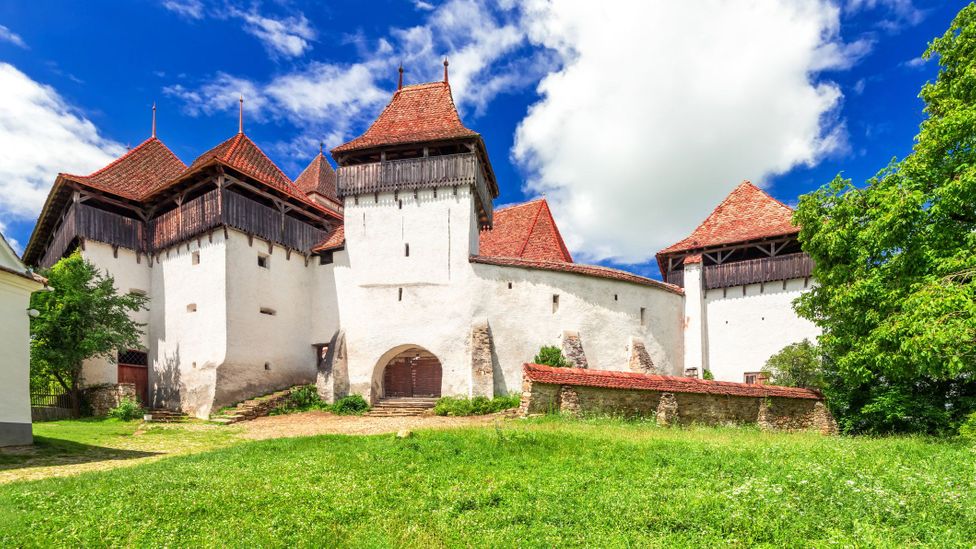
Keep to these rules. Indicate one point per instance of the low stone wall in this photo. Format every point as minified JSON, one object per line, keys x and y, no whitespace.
{"x":103,"y":398}
{"x":671,"y":400}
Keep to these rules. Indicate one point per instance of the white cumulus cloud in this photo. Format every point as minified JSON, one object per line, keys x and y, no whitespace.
{"x":287,"y":36}
{"x":41,"y":135}
{"x":661,"y":108}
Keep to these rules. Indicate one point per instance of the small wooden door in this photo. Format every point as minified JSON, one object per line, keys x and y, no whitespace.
{"x":134,"y":368}
{"x":412,"y":376}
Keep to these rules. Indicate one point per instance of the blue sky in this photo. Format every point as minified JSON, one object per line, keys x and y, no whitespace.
{"x":634,"y":119}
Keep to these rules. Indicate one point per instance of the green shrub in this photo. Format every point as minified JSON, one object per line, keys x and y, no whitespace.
{"x":968,"y":428}
{"x":350,"y":405}
{"x":551,"y":355}
{"x":127,"y":410}
{"x":301,"y":399}
{"x":796,"y":365}
{"x":707,"y":374}
{"x":477,"y":406}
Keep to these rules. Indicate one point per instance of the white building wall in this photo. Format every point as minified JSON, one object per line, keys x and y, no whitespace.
{"x":606,"y":314}
{"x":131,"y":273}
{"x":15,"y":414}
{"x":188,"y":346}
{"x":269,"y":351}
{"x":748,"y":324}
{"x":390,"y":301}
{"x":695,"y":319}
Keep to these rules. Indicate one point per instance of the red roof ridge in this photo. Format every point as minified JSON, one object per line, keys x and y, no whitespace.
{"x":535,"y":220}
{"x":597,"y":271}
{"x":652,"y":382}
{"x":519,"y":204}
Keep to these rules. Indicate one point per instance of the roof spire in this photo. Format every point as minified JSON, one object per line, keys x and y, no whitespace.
{"x":400,"y":81}
{"x":154,"y":120}
{"x":240,"y":117}
{"x":321,"y":147}
{"x":445,"y":70}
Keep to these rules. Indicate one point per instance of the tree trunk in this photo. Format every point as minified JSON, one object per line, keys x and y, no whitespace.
{"x":72,"y":392}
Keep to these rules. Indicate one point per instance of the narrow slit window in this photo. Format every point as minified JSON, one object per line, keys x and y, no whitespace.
{"x":615,"y":297}
{"x":264,"y":261}
{"x":643,"y":314}
{"x":267,"y":365}
{"x":195,"y":258}
{"x":555,"y":302}
{"x":406,"y":250}
{"x":399,"y":294}
{"x":268,"y":311}
{"x":509,"y":285}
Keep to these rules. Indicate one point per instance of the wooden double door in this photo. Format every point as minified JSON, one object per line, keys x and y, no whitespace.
{"x":134,"y":368}
{"x":412,"y":376}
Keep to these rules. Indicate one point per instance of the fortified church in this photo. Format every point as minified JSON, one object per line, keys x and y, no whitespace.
{"x":394,"y":275}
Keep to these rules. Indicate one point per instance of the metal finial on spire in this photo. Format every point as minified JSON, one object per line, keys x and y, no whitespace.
{"x":240,"y":117}
{"x":445,"y":70}
{"x":154,"y":120}
{"x":400,"y":81}
{"x":321,"y":147}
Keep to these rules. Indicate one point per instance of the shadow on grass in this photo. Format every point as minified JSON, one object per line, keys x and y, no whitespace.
{"x":56,"y":451}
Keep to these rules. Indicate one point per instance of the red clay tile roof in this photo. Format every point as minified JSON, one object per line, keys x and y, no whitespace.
{"x":319,"y":177}
{"x":240,"y":153}
{"x":672,"y":384}
{"x":332,"y":241}
{"x":525,"y":231}
{"x":576,"y":268}
{"x":747,"y":213}
{"x":137,"y":173}
{"x":422,"y":112}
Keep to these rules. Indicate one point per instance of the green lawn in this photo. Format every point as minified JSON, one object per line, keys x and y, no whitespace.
{"x":526,"y":483}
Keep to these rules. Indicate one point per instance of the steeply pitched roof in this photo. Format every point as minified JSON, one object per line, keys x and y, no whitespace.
{"x":136,"y":174}
{"x":526,"y":231}
{"x":576,"y":268}
{"x":335,"y":239}
{"x":240,"y":153}
{"x":649,"y":382}
{"x":422,"y":112}
{"x":318,"y":177}
{"x":747,"y":213}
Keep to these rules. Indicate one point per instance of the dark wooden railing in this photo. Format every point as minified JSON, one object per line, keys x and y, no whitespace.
{"x":753,"y":271}
{"x":415,"y":173}
{"x":92,"y":223}
{"x":676,"y":277}
{"x":192,"y":218}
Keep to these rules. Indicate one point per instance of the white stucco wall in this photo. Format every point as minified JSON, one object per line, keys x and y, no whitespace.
{"x":15,"y":415}
{"x":129,"y":274}
{"x":389,"y":301}
{"x":282,"y":341}
{"x":696,"y":336}
{"x":186,"y":348}
{"x":743,"y":330}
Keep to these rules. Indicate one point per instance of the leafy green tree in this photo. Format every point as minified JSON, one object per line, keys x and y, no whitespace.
{"x":84,"y":317}
{"x":551,"y":355}
{"x":796,"y":365}
{"x":895,"y":265}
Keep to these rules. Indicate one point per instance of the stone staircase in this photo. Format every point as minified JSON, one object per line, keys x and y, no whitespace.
{"x":402,"y":407}
{"x":167,"y":416}
{"x":252,"y":408}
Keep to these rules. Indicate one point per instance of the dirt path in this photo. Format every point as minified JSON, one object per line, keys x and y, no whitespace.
{"x":323,"y":423}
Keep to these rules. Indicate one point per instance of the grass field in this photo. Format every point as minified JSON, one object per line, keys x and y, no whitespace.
{"x":524,"y":483}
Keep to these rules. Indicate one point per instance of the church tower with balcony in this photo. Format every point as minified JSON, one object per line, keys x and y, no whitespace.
{"x":740,"y":269}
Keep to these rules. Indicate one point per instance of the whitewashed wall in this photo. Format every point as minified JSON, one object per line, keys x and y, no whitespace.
{"x":267,"y":352}
{"x":15,"y":414}
{"x":745,"y":329}
{"x":390,"y":302}
{"x":130,"y":274}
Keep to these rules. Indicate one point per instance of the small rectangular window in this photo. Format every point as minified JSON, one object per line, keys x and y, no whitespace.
{"x":615,"y":297}
{"x":555,"y":302}
{"x":191,"y":308}
{"x":264,"y":261}
{"x":268,"y":311}
{"x":195,"y":258}
{"x":643,"y":313}
{"x":509,"y":285}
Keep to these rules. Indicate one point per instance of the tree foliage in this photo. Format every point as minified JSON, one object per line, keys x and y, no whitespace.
{"x":895,"y":265}
{"x":550,"y":355}
{"x":83,"y":317}
{"x":796,"y":365}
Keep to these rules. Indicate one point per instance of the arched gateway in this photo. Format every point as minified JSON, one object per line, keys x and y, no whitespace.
{"x":414,"y":372}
